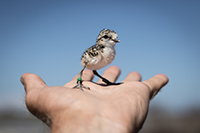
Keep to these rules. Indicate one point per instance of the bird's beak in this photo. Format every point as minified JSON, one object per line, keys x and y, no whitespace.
{"x":116,"y":40}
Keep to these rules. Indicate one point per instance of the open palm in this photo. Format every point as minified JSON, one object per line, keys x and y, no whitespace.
{"x":113,"y":108}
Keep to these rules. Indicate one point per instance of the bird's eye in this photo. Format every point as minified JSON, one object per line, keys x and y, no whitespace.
{"x":105,"y":36}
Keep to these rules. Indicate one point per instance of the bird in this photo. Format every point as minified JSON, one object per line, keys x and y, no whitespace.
{"x":99,"y":55}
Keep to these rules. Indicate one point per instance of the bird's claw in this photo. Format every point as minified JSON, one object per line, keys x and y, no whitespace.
{"x":80,"y":85}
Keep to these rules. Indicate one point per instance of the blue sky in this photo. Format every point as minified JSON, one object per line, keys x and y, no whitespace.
{"x":48,"y":38}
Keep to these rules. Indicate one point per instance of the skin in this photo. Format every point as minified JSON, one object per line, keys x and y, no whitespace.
{"x":114,"y":108}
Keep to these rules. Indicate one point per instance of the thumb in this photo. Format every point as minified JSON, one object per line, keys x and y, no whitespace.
{"x":31,"y":82}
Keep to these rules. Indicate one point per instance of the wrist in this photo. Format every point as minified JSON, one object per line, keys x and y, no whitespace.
{"x":88,"y":123}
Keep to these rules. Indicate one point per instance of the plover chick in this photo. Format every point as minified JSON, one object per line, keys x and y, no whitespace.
{"x":99,"y":55}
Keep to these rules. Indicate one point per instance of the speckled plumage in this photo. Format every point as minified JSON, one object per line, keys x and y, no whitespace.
{"x":102,"y":53}
{"x":99,"y":55}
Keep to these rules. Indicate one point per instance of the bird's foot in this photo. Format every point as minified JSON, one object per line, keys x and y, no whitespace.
{"x":110,"y":83}
{"x":80,"y":85}
{"x":104,"y":79}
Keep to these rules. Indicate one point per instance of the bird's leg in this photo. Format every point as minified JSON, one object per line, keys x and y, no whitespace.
{"x":79,"y":80}
{"x":104,"y":79}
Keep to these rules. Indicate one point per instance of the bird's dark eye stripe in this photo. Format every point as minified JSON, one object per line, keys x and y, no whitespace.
{"x":105,"y":36}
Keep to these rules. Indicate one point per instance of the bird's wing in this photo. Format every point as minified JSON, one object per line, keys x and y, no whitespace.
{"x":95,"y":59}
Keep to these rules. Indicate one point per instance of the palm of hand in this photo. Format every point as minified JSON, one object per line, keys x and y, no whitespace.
{"x":122,"y":105}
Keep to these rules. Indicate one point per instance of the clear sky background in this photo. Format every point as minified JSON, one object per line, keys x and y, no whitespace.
{"x":48,"y":38}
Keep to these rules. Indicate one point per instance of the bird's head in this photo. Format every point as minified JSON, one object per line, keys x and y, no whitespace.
{"x":107,"y":38}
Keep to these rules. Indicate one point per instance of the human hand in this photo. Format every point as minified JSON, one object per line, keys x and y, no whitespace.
{"x":114,"y":108}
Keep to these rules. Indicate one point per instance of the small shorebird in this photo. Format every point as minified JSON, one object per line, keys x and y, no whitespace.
{"x":99,"y":55}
